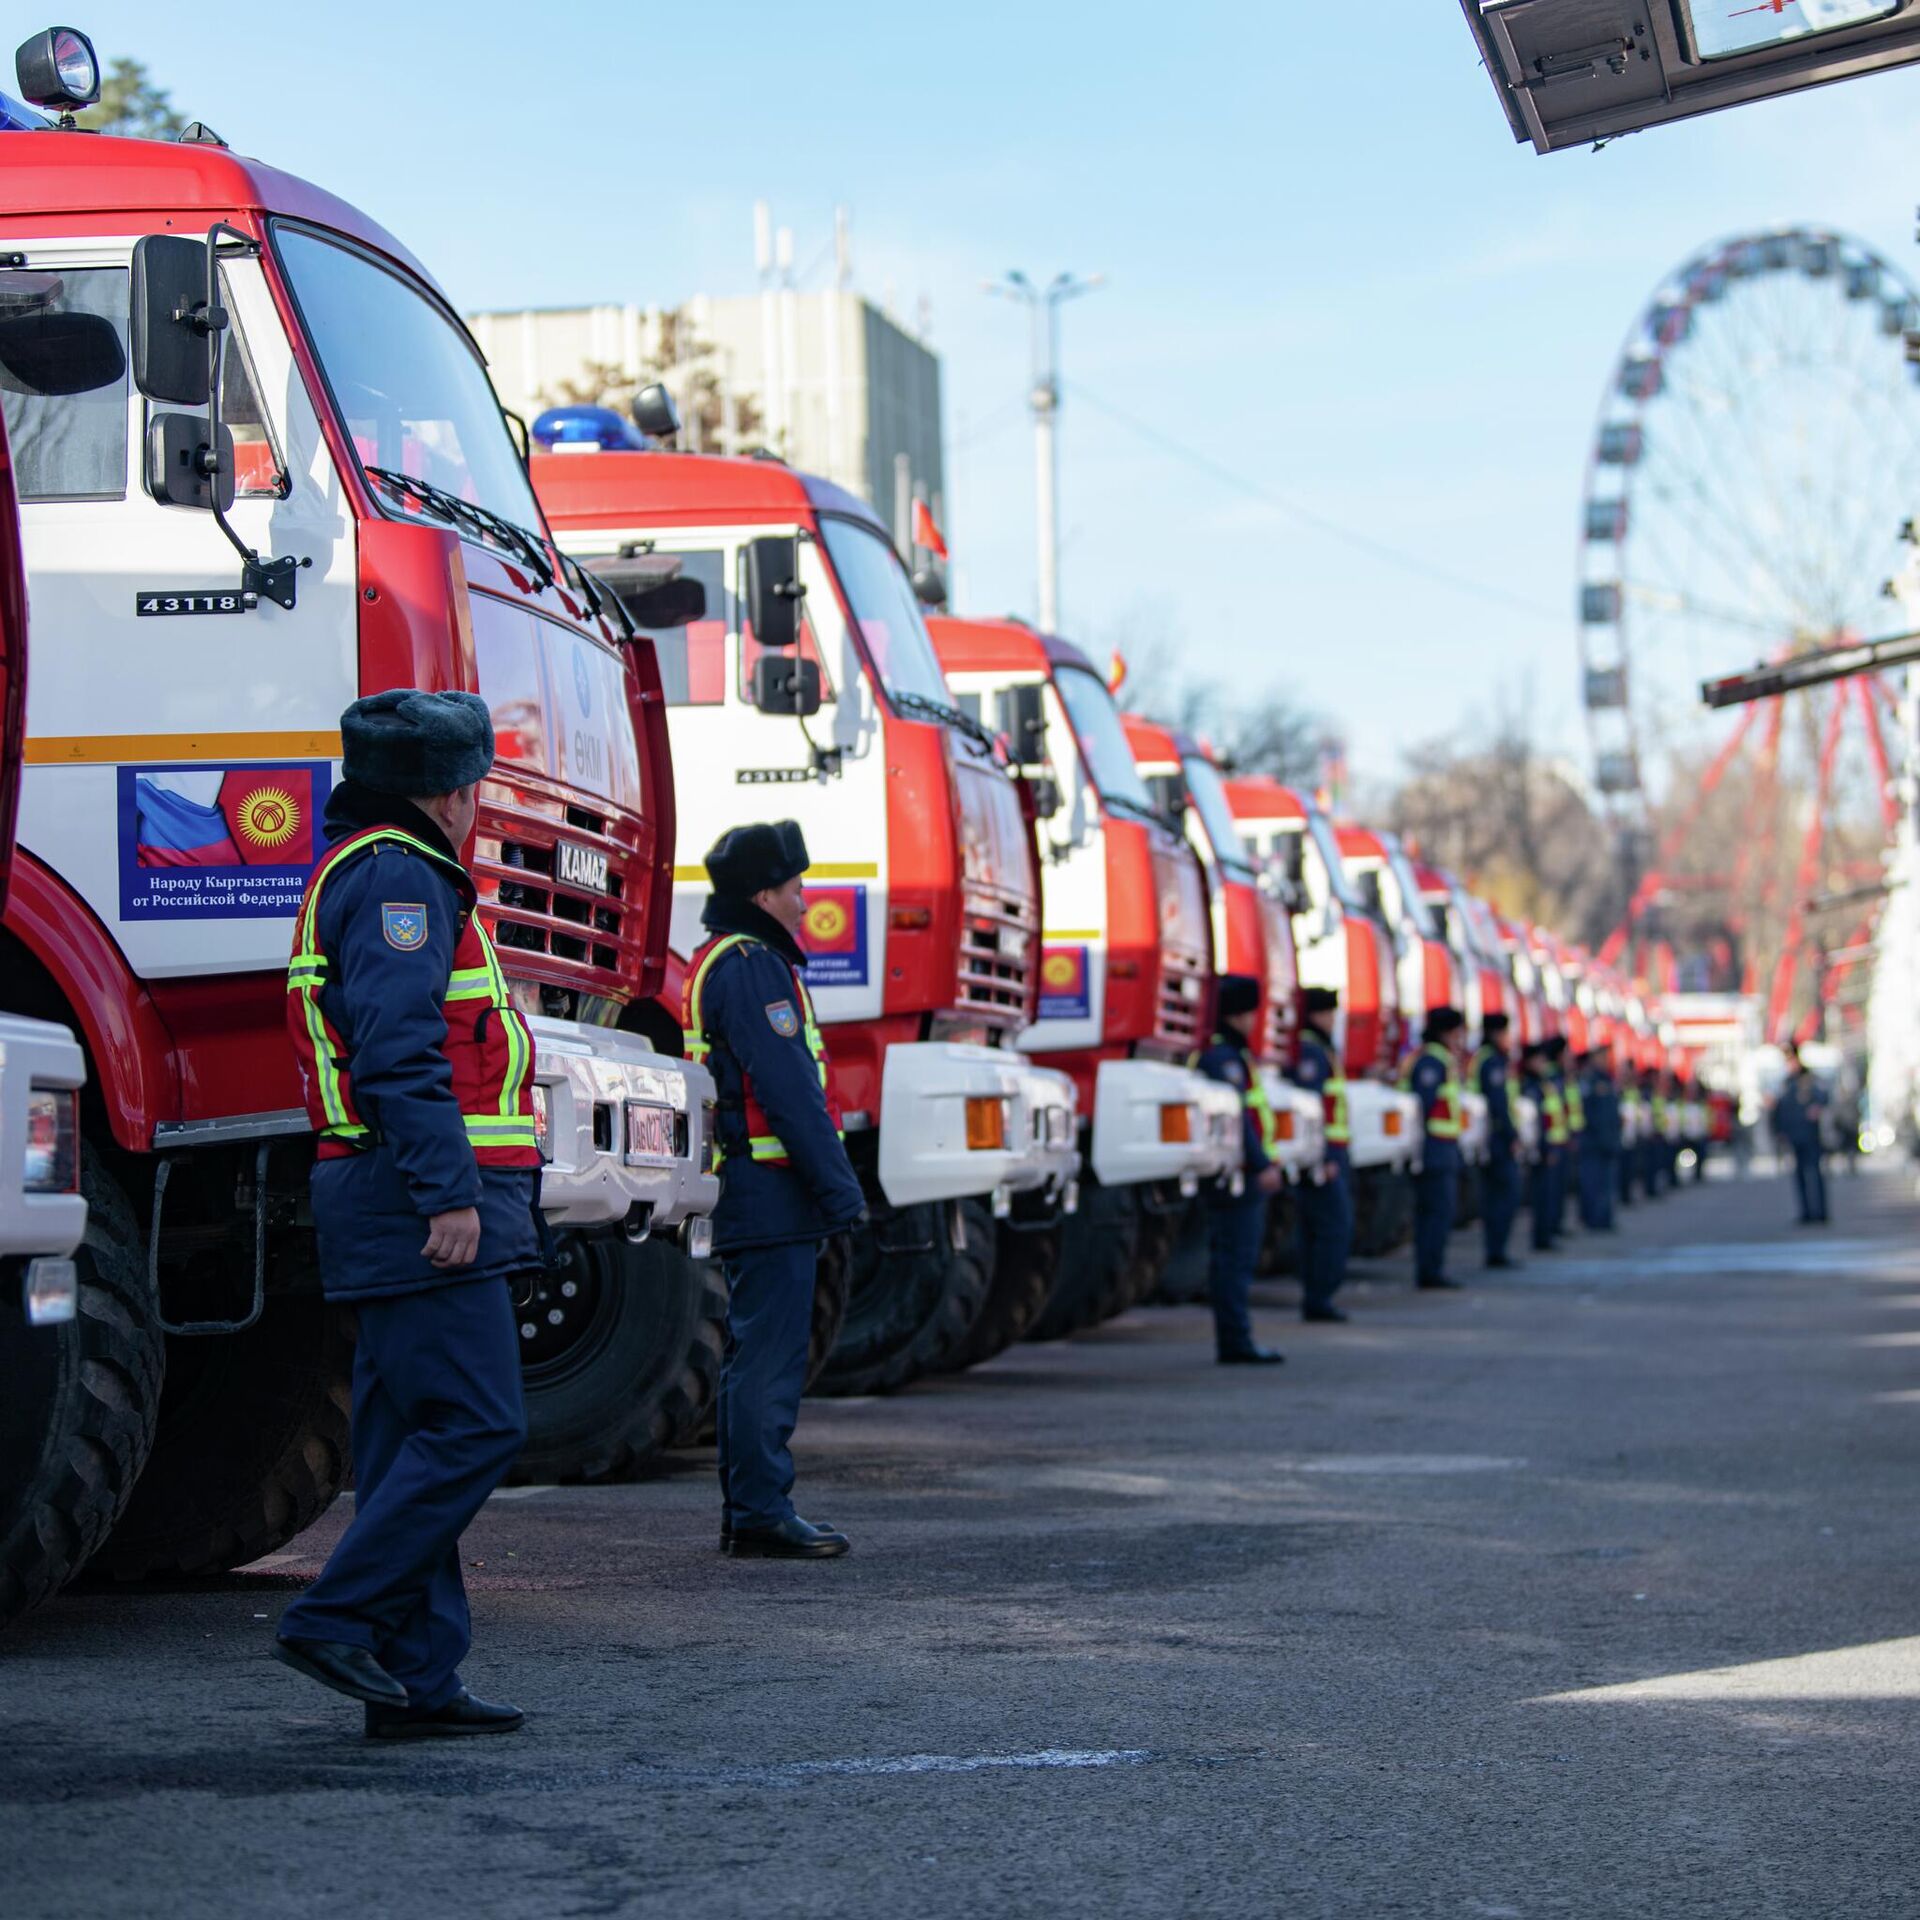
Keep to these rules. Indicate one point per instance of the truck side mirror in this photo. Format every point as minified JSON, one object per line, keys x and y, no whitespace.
{"x":1023,"y":718}
{"x":774,"y":591}
{"x":170,"y":322}
{"x":667,"y":603}
{"x":654,"y":412}
{"x":789,"y":686}
{"x":1046,"y":795}
{"x":184,"y":468}
{"x":930,"y":586}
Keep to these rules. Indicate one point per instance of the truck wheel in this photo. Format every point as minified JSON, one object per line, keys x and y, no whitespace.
{"x":1183,"y":1277}
{"x":914,"y":1295}
{"x":252,"y":1446}
{"x":1026,"y":1261}
{"x":620,"y":1354}
{"x":1466,"y":1203}
{"x":1162,"y":1215}
{"x":1280,"y":1250}
{"x":77,"y":1406}
{"x":1097,"y":1250}
{"x":832,"y":1278}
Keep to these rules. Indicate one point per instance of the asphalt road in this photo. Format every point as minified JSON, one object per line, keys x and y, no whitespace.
{"x":1591,"y":1591}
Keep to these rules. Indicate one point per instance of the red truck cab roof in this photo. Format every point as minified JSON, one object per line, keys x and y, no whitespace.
{"x":596,"y":489}
{"x":1258,"y":796}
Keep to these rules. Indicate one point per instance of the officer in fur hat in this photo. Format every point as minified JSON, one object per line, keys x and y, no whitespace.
{"x":1433,"y":1076}
{"x":1236,"y":1220}
{"x":1325,"y":1202}
{"x":786,"y":1183}
{"x":425,"y":1185}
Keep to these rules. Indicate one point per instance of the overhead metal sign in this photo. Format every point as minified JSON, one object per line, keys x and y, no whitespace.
{"x":1571,"y":72}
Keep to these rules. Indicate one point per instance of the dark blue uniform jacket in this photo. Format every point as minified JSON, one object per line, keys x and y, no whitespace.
{"x":1429,"y":1076}
{"x":1496,"y":1084}
{"x":1796,"y":1116}
{"x":1601,"y":1098}
{"x":371,"y":1209}
{"x":755,"y":1026}
{"x":1225,"y":1058}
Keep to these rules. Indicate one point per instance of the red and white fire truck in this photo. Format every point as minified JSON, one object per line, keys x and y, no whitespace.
{"x":262,"y":471}
{"x":805,"y":685}
{"x":1126,"y":986}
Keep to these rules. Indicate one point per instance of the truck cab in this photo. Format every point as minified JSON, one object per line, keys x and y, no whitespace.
{"x":923,"y":924}
{"x":262,"y":472}
{"x":1252,"y":933}
{"x":1126,"y":988}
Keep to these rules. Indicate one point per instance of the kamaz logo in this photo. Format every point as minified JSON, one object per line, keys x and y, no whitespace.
{"x":580,"y":867}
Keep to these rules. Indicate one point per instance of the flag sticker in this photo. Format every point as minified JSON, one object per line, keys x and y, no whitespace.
{"x":404,"y":925}
{"x":834,"y":936}
{"x":227,"y":843}
{"x":1064,"y":992}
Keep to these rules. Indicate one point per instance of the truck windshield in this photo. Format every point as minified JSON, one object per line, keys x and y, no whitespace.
{"x":1210,"y":802}
{"x":410,"y":389}
{"x":1327,"y":844}
{"x":1103,"y":741}
{"x":1419,"y":913}
{"x":881,"y":597}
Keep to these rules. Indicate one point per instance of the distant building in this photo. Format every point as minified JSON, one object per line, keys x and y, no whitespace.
{"x":824,"y":379}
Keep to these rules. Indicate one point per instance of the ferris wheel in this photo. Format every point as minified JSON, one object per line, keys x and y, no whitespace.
{"x":1755,"y":459}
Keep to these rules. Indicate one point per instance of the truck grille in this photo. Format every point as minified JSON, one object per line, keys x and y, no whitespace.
{"x":999,"y":948}
{"x":1183,"y":980}
{"x":539,"y":913}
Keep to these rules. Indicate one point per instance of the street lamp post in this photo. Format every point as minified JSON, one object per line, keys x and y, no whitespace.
{"x":1043,"y":306}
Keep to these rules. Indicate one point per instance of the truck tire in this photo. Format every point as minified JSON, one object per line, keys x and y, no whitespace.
{"x":252,"y":1445}
{"x":832,"y":1279}
{"x":1097,"y":1251}
{"x":913,"y":1296}
{"x":1026,"y":1261}
{"x":78,"y":1405}
{"x":1280,"y":1250}
{"x":1183,"y":1277}
{"x":1466,"y":1202}
{"x":1162,"y":1215}
{"x":619,"y":1358}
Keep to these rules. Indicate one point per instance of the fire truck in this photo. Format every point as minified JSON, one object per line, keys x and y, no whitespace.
{"x":261,"y":472}
{"x":802,"y":683}
{"x":1126,"y":987}
{"x":1343,"y":945}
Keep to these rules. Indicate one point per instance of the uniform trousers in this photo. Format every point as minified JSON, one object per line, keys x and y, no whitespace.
{"x":1435,"y":1191}
{"x":769,"y":1325}
{"x":1499,"y":1198}
{"x":1596,"y":1189}
{"x":437,"y":1421}
{"x":1235,"y":1229}
{"x":1624,"y":1163}
{"x":1324,"y":1231}
{"x":1541,"y":1182}
{"x":1651,"y":1167}
{"x":1810,"y":1182}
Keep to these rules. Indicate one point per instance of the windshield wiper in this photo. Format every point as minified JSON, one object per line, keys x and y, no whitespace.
{"x":482,"y":521}
{"x":1140,"y":810}
{"x":939,"y":710}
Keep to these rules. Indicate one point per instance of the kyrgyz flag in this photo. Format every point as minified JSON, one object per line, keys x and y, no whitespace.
{"x":832,"y":924}
{"x":173,"y":831}
{"x":1063,"y":984}
{"x":270,"y":813}
{"x":925,"y":533}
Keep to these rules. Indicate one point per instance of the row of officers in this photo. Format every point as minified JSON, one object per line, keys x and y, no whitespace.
{"x":425,"y":1192}
{"x":1596,"y":1145}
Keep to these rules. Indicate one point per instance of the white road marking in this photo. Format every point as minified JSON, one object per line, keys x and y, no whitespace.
{"x":1046,"y":1757}
{"x":1907,"y":1337}
{"x":1408,"y":1463}
{"x":1904,"y":1396}
{"x":517,"y":1493}
{"x":273,"y":1560}
{"x":1880,"y":1670}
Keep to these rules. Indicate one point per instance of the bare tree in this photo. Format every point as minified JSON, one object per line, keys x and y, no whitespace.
{"x":684,"y":363}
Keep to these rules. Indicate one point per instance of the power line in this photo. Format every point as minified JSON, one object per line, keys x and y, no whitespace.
{"x":1362,"y":542}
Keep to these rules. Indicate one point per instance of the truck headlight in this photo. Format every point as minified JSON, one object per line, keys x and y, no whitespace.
{"x":542,"y":1122}
{"x":53,"y":1140}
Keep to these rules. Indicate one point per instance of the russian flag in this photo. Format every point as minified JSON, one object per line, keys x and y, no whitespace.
{"x":173,"y":831}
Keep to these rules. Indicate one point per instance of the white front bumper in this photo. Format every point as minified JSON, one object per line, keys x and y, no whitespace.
{"x":924,"y":1090}
{"x":1129,"y":1129}
{"x":1473,"y":1128}
{"x":1302,"y":1124}
{"x":596,"y":1171}
{"x":34,"y":1053}
{"x":1385,"y":1124}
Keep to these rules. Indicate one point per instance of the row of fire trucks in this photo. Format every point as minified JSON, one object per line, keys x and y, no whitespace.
{"x":261,"y":471}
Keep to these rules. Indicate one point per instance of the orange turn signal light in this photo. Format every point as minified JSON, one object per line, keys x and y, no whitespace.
{"x":1176,"y":1126}
{"x":1283,"y":1126}
{"x":910,"y":919}
{"x":1392,"y":1122}
{"x":986,"y":1125}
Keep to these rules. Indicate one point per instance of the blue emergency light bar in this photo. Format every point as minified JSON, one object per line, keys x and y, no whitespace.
{"x":587,"y":429}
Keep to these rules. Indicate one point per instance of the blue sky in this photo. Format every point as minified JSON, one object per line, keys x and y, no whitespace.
{"x":1331,"y":272}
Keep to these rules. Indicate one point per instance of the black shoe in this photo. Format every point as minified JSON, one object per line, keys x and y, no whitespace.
{"x":790,"y":1539}
{"x":1503,"y":1265}
{"x":462,"y":1714}
{"x":726,"y":1532}
{"x":1333,"y":1316}
{"x":1441,"y":1285}
{"x":349,"y":1670}
{"x":1254,"y":1357}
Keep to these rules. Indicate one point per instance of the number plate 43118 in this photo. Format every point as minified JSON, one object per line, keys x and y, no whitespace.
{"x":232,"y":600}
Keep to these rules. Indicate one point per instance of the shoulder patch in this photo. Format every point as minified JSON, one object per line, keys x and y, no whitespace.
{"x":1233,"y":1073}
{"x":404,"y":923}
{"x":782,"y":1018}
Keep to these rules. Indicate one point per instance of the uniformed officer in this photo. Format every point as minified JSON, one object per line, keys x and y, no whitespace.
{"x":1500,"y":1194}
{"x":1653,"y":1142}
{"x":1798,"y":1109}
{"x":1236,"y":1222}
{"x":786,"y":1183}
{"x":424,"y":1192}
{"x":1574,"y":1119}
{"x":1598,"y":1144}
{"x":1536,"y":1082}
{"x":1324,"y":1202}
{"x":1430,"y":1074}
{"x":1632,"y":1123}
